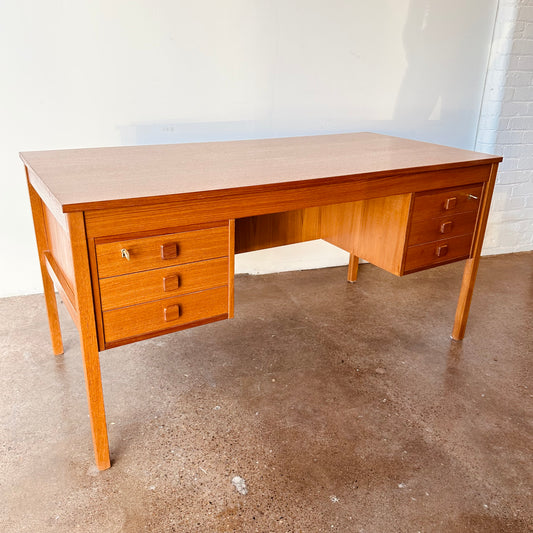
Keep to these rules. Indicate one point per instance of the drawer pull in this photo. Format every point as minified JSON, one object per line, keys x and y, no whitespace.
{"x":172,"y":312}
{"x":125,"y":254}
{"x":169,"y":250}
{"x":171,"y":283}
{"x":450,"y":203}
{"x":442,"y":250}
{"x":446,"y":227}
{"x":473,"y":197}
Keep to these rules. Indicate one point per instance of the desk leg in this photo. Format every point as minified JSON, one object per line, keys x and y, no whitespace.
{"x":353,"y":267}
{"x":465,"y":298}
{"x":472,"y":264}
{"x":88,"y":338}
{"x":48,"y":284}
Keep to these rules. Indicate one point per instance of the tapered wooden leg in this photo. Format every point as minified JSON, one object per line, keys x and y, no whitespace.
{"x":353,"y":267}
{"x":472,"y":264}
{"x":48,"y":284}
{"x":95,"y":398}
{"x":465,"y":298}
{"x":88,"y":339}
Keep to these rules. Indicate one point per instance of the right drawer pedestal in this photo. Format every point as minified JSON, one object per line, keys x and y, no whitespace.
{"x":441,"y":227}
{"x":410,"y":232}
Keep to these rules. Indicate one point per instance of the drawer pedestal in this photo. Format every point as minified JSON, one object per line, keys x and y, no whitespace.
{"x":149,"y":285}
{"x":410,"y":232}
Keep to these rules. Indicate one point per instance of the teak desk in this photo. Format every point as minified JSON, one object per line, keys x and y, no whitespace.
{"x":140,"y":241}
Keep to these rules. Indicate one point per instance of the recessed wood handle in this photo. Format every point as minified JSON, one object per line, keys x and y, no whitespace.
{"x":169,"y":250}
{"x":441,"y":250}
{"x":171,"y":283}
{"x":172,"y":312}
{"x":450,"y":203}
{"x":446,"y":227}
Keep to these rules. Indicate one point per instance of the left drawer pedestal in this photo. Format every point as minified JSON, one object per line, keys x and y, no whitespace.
{"x":149,"y":285}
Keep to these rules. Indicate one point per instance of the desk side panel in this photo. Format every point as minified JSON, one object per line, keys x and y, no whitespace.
{"x":59,"y":246}
{"x":374,"y":230}
{"x":339,"y":222}
{"x":55,"y":251}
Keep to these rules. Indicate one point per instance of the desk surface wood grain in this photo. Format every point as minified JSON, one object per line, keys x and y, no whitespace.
{"x":97,"y":178}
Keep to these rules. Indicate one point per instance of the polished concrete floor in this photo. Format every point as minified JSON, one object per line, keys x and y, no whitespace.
{"x":344,"y":407}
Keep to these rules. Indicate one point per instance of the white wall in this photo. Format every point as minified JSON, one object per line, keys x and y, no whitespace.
{"x":506,"y":128}
{"x":95,"y":73}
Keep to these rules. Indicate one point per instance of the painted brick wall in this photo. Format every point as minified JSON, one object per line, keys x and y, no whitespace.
{"x":506,"y":128}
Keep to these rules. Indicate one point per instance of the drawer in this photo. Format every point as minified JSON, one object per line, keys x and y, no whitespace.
{"x":434,"y":253}
{"x":161,"y":251}
{"x":447,"y":202}
{"x":140,"y":287}
{"x":161,"y":315}
{"x":435,"y":229}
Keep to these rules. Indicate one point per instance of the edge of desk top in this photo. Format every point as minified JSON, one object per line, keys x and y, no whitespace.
{"x":99,"y":178}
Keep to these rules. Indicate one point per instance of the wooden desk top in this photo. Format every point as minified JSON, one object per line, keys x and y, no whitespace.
{"x":97,"y":178}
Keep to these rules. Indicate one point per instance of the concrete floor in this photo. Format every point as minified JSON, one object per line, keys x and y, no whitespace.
{"x":345,"y":407}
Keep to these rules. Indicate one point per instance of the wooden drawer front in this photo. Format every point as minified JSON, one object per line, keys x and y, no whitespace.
{"x":140,"y":287}
{"x":164,"y":314}
{"x":161,"y":251}
{"x":435,"y":229}
{"x":434,"y":253}
{"x":448,"y":202}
